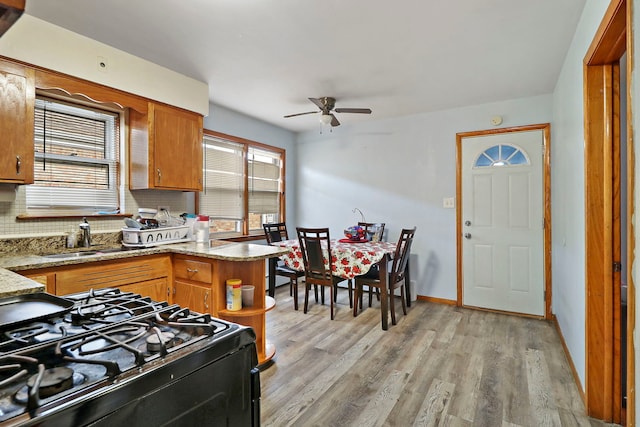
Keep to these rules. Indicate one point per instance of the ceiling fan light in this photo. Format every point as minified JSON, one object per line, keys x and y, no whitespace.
{"x":325,"y":119}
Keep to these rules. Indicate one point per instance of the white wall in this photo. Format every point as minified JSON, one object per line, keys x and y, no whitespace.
{"x":38,"y":42}
{"x":567,"y":177}
{"x":398,"y":171}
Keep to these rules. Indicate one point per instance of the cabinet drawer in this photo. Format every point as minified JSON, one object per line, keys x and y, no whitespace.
{"x":195,"y":271}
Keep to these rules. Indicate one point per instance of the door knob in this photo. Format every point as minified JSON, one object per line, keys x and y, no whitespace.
{"x":467,"y":235}
{"x":467,"y":223}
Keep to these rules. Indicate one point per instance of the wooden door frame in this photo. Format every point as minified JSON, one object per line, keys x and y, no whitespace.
{"x":546,"y":173}
{"x":602,"y":141}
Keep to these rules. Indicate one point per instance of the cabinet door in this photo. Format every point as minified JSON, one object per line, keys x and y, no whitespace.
{"x":165,"y":149}
{"x":177,"y":148}
{"x":156,"y":289}
{"x":47,"y":279}
{"x":195,"y":297}
{"x":17,"y":92}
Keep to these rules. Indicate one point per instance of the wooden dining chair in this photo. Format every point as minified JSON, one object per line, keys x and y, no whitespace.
{"x":379,"y":229}
{"x":396,"y":274}
{"x":277,"y":232}
{"x":370,"y":228}
{"x":312,"y":243}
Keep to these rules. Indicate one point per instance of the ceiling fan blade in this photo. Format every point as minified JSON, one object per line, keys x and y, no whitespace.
{"x":318,"y":103}
{"x":353,"y":110}
{"x":334,"y":121}
{"x":300,"y":114}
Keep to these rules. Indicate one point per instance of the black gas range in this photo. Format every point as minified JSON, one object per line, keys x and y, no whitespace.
{"x":108,"y":358}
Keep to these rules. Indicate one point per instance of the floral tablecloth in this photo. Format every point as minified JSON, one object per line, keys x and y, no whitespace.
{"x":349,"y":259}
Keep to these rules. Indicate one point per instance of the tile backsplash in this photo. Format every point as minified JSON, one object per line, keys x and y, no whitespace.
{"x":177,"y":201}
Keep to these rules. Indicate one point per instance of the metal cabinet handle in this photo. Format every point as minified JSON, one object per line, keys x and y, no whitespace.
{"x":18,"y":164}
{"x":206,"y":297}
{"x":467,"y":235}
{"x":159,"y":174}
{"x":192,"y":270}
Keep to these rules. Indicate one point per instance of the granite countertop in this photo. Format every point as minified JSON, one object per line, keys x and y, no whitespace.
{"x":230,"y":251}
{"x":14,"y":284}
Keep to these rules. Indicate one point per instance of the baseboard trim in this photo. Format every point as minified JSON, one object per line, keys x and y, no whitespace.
{"x":437,"y":300}
{"x":567,"y":354}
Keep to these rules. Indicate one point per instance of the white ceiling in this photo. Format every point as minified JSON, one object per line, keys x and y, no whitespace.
{"x":264,"y":58}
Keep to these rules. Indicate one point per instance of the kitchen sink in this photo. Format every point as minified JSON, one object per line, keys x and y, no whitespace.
{"x":80,"y":254}
{"x":72,"y":254}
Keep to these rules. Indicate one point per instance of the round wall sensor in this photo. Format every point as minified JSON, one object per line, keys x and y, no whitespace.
{"x":496,"y":120}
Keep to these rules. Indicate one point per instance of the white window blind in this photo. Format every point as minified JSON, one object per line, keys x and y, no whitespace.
{"x":76,"y":159}
{"x":264,"y":181}
{"x":223,"y":195}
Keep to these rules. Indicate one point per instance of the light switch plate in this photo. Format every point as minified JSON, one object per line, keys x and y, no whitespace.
{"x":449,"y":202}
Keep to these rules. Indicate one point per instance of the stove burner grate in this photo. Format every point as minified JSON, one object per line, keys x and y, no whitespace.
{"x":108,"y":308}
{"x":51,"y":381}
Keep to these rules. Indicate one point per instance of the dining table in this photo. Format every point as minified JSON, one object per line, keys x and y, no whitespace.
{"x":349,"y":259}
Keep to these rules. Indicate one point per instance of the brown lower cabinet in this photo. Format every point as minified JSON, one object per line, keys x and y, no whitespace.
{"x":196,"y":297}
{"x":200,"y":284}
{"x":148,"y":276}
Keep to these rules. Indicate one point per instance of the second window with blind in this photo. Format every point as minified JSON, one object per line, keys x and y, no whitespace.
{"x":243,"y":185}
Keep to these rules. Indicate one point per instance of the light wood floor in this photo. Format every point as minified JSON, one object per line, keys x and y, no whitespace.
{"x":439,"y":366}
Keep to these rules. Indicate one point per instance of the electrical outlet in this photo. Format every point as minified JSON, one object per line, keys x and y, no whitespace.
{"x":449,"y":202}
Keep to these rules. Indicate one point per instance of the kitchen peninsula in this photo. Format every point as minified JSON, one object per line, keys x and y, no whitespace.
{"x":189,"y":274}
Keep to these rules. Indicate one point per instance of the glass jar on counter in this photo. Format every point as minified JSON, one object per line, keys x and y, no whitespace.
{"x":201,"y":229}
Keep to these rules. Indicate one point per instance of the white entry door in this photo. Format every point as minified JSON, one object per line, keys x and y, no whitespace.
{"x":503,"y":222}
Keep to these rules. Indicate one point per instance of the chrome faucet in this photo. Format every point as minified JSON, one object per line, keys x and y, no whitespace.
{"x":85,"y":229}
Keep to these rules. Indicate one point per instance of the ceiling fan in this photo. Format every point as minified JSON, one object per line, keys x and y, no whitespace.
{"x":326,"y":105}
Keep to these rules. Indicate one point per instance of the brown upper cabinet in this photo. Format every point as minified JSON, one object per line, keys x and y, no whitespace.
{"x":165,"y":142}
{"x":165,"y":149}
{"x":10,"y":11}
{"x":17,"y":100}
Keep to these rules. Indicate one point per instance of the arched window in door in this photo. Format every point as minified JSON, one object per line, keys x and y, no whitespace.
{"x":501,"y":155}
